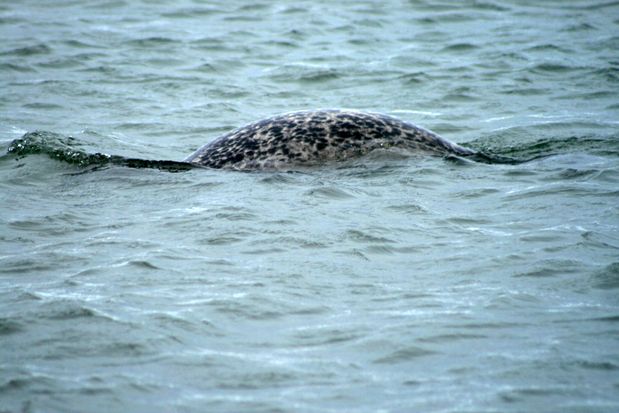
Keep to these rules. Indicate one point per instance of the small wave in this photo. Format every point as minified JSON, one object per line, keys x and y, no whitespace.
{"x":29,"y":50}
{"x":151,"y":41}
{"x":460,"y":47}
{"x":404,"y":355}
{"x":496,"y":152}
{"x":607,"y":278}
{"x":554,"y":68}
{"x":67,"y":149}
{"x":8,"y":326}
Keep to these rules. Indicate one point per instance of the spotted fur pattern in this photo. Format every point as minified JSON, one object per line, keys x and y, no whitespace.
{"x":313,"y":137}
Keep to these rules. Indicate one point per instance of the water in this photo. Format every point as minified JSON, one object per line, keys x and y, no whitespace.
{"x":390,"y":283}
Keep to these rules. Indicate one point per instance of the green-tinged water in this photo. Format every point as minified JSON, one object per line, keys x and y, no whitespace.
{"x":391,"y":283}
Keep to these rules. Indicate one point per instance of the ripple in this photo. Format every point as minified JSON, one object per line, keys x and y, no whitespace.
{"x":192,"y":13}
{"x":448,"y":338}
{"x":323,"y":336}
{"x":460,"y":47}
{"x":329,"y":192}
{"x":526,"y":393}
{"x":597,"y":365}
{"x":607,"y":278}
{"x":304,"y":74}
{"x":364,"y":237}
{"x":554,"y":68}
{"x":553,"y":268}
{"x":39,"y":49}
{"x":405,"y":355}
{"x":62,"y":310}
{"x":142,"y":264}
{"x":8,"y":326}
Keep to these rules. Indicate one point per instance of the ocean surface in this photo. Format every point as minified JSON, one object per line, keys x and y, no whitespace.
{"x":390,"y":283}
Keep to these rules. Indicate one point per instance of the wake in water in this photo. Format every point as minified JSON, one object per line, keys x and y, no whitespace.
{"x":67,"y":149}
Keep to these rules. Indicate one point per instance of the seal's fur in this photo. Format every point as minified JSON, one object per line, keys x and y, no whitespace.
{"x":311,"y":137}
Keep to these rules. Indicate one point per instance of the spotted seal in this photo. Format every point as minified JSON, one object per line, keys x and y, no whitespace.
{"x":312,"y":137}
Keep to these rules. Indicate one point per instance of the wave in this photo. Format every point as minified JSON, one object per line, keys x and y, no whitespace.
{"x":546,"y":147}
{"x":67,"y":149}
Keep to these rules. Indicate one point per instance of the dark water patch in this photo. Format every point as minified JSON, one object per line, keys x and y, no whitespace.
{"x":12,"y":67}
{"x":8,"y":19}
{"x":293,"y":9}
{"x":293,"y":242}
{"x":573,"y":173}
{"x":459,"y":47}
{"x":255,"y":381}
{"x":409,"y":209}
{"x":606,"y":319}
{"x":264,"y":251}
{"x":65,"y":310}
{"x":610,"y":74}
{"x":466,"y":221}
{"x":547,"y":47}
{"x":35,"y":383}
{"x":39,"y":49}
{"x":504,"y":325}
{"x":405,"y":355}
{"x":80,"y":44}
{"x":380,"y":250}
{"x":580,"y":27}
{"x":476,"y":193}
{"x":15,"y":266}
{"x":253,"y":7}
{"x":246,"y":309}
{"x":599,"y":240}
{"x":42,"y":106}
{"x":488,"y":6}
{"x":448,"y":338}
{"x":143,"y":264}
{"x":457,"y":17}
{"x":607,"y":278}
{"x":8,"y":326}
{"x":354,"y":252}
{"x":63,"y":63}
{"x":242,"y":19}
{"x":364,"y":237}
{"x":524,"y":91}
{"x":221,"y":240}
{"x":304,"y":74}
{"x":279,"y":178}
{"x":596,"y":365}
{"x":192,"y":12}
{"x":521,"y":395}
{"x":324,"y":336}
{"x":212,"y":44}
{"x":553,"y":68}
{"x":236,"y":214}
{"x":154,"y":41}
{"x":553,"y":268}
{"x":415,"y":78}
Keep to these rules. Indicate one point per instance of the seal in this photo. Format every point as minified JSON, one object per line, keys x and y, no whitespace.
{"x":310,"y":138}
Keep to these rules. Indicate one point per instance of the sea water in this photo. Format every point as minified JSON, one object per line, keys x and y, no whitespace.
{"x":391,"y":283}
